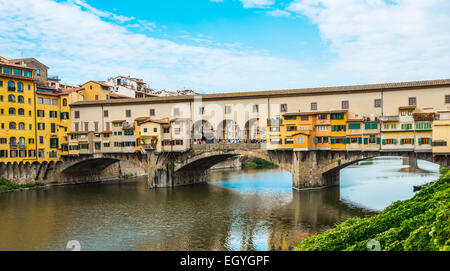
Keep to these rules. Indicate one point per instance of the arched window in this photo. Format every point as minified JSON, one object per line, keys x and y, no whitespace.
{"x":64,"y":102}
{"x":11,"y":86}
{"x":12,"y":111}
{"x":22,"y":141}
{"x":21,"y":112}
{"x":12,"y":126}
{"x":11,"y":98}
{"x":20,"y":99}
{"x":19,"y":87}
{"x":21,"y":126}
{"x":13,"y":140}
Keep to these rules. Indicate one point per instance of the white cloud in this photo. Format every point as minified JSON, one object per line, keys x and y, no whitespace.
{"x":79,"y":46}
{"x":278,"y":13}
{"x":379,"y":41}
{"x":257,"y":3}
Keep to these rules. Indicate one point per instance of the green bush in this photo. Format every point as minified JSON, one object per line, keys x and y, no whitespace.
{"x":7,"y":185}
{"x":421,"y":223}
{"x":443,"y":170}
{"x":259,"y":163}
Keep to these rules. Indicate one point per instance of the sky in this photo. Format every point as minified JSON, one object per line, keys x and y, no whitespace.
{"x":214,"y":46}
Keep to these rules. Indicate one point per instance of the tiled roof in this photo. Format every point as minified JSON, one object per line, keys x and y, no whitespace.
{"x":278,"y":93}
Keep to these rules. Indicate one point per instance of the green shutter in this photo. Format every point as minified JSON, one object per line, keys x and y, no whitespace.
{"x":420,"y":141}
{"x":395,"y":141}
{"x":378,"y":140}
{"x":359,"y":140}
{"x":412,"y":141}
{"x":333,"y":141}
{"x":366,"y":141}
{"x":384,"y":141}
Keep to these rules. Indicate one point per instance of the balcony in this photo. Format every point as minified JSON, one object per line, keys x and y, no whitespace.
{"x":273,"y":122}
{"x":13,"y":145}
{"x":12,"y":89}
{"x":389,"y":118}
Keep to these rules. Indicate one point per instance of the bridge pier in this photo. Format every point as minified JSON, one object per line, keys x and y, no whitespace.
{"x":164,"y":177}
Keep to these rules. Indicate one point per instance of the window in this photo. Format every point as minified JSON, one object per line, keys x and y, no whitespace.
{"x":54,"y":102}
{"x":17,"y":72}
{"x":1,"y":98}
{"x":27,"y":73}
{"x":354,"y":126}
{"x":96,"y":126}
{"x":128,"y":113}
{"x":53,"y":114}
{"x":152,"y":112}
{"x":108,"y":126}
{"x":228,"y":109}
{"x":275,"y":141}
{"x":255,"y":108}
{"x":38,"y":72}
{"x":344,"y":104}
{"x":338,"y":128}
{"x":1,"y":83}
{"x":323,"y":116}
{"x":11,"y":86}
{"x":291,"y":128}
{"x":21,"y":126}
{"x":288,"y":141}
{"x":407,"y":126}
{"x":145,"y":130}
{"x":322,"y":128}
{"x":166,"y":130}
{"x":377,"y":103}
{"x":423,"y":125}
{"x":155,"y":130}
{"x":412,"y":101}
{"x":283,"y":108}
{"x":447,"y":99}
{"x":300,"y":140}
{"x":19,"y":87}
{"x":424,"y":141}
{"x":201,"y":110}
{"x":64,"y":102}
{"x":40,"y":100}
{"x":21,"y":112}
{"x":6,"y":70}
{"x":176,"y":111}
{"x":77,"y":114}
{"x":12,"y":111}
{"x":86,"y":126}
{"x":20,"y":99}
{"x":41,"y":113}
{"x":370,"y":125}
{"x":275,"y":128}
{"x":53,"y":128}
{"x":439,"y":143}
{"x":41,"y":126}
{"x":31,"y":141}
{"x":290,"y":117}
{"x":12,"y":126}
{"x":46,"y":100}
{"x":313,"y":106}
{"x":11,"y":98}
{"x":96,"y":97}
{"x":406,"y":141}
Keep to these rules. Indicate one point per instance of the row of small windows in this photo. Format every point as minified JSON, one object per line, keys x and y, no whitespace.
{"x":12,"y":99}
{"x":48,"y":101}
{"x":18,"y":72}
{"x":12,"y":86}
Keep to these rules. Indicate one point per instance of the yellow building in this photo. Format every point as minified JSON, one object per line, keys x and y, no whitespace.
{"x":151,"y":134}
{"x":94,"y":90}
{"x":441,"y":133}
{"x":17,"y":99}
{"x":338,"y":122}
{"x":275,"y":138}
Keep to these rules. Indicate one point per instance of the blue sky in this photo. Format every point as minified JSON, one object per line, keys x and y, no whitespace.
{"x":232,"y":45}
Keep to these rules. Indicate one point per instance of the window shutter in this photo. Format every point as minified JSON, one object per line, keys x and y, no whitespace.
{"x":378,"y":140}
{"x":359,"y":140}
{"x":333,"y":141}
{"x":412,"y":141}
{"x":395,"y":141}
{"x":384,"y":141}
{"x":420,"y":141}
{"x":366,"y":141}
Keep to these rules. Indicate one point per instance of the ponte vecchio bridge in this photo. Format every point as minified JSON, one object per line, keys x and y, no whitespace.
{"x":385,"y":119}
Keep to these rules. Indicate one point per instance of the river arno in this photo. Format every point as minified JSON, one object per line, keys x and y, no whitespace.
{"x":236,"y":210}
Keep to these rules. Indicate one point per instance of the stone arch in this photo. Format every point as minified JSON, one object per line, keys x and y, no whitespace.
{"x":255,"y":130}
{"x":228,"y":129}
{"x":202,"y":130}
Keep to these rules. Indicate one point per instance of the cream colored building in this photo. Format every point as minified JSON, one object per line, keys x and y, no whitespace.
{"x":441,"y":133}
{"x":239,"y":109}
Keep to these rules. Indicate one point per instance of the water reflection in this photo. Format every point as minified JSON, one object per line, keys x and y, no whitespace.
{"x":237,"y":210}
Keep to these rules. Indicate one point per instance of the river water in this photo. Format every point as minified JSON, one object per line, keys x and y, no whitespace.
{"x":236,"y":210}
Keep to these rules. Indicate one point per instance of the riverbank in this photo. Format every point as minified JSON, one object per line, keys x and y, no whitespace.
{"x":421,"y":223}
{"x":7,"y":186}
{"x":259,"y":163}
